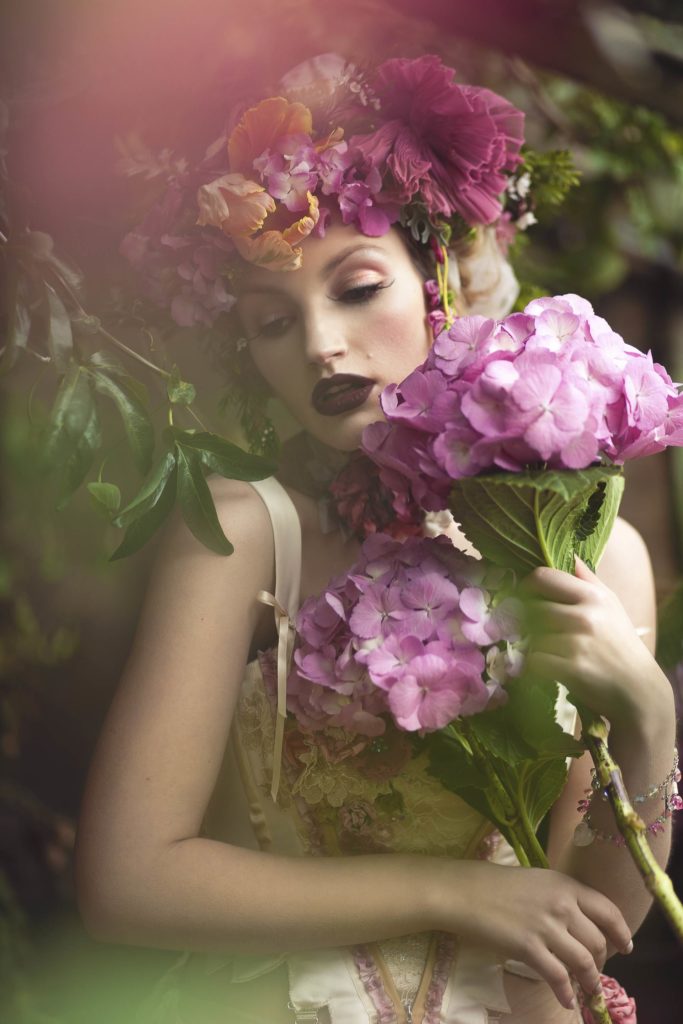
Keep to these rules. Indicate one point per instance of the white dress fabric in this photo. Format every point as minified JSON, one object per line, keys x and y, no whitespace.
{"x":334,"y":801}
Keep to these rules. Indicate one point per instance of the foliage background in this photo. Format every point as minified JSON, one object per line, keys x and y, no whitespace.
{"x":76,"y":75}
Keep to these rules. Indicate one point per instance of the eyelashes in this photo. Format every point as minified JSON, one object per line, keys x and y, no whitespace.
{"x":356,"y":296}
{"x":363,"y":292}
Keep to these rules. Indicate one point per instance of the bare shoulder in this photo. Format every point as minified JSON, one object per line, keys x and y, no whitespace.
{"x":203,"y":589}
{"x":627,"y":570}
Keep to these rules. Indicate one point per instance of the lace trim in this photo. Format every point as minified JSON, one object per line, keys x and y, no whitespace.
{"x":374,"y":985}
{"x":406,"y":959}
{"x":445,"y":955}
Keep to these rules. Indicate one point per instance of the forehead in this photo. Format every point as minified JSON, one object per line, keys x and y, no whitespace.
{"x":323,"y":256}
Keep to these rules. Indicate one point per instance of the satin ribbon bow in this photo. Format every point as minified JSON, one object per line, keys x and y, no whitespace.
{"x":285,"y":646}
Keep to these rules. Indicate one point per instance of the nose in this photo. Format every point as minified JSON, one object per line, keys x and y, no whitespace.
{"x":324,"y":340}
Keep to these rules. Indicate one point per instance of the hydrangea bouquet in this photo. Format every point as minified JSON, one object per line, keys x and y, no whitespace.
{"x":425,"y":636}
{"x":521,"y":426}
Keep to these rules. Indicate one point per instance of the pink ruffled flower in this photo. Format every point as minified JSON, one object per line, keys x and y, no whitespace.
{"x":622,"y":1008}
{"x":453,"y":144}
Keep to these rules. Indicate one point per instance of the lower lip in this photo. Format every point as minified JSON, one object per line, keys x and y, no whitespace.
{"x":345,"y":401}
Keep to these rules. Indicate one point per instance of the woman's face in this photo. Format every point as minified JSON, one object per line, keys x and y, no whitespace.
{"x":329,"y":337}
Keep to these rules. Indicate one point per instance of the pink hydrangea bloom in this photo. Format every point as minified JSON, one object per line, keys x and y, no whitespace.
{"x":552,"y":387}
{"x":405,"y":634}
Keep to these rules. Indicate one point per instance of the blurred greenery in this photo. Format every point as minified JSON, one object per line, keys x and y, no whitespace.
{"x":624,"y":224}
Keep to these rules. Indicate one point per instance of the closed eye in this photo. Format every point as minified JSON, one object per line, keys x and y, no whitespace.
{"x":274,"y":328}
{"x":363,"y":292}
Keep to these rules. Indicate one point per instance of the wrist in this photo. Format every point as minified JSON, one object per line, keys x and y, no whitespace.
{"x":647,"y":714}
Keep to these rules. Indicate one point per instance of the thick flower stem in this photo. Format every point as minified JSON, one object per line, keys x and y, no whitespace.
{"x":632,"y":827}
{"x":505,"y":806}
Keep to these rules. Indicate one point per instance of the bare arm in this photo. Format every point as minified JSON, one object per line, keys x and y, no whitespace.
{"x":146,"y":876}
{"x":642,"y":735}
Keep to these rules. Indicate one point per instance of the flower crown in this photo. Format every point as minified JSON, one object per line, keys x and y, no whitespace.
{"x":401,"y":144}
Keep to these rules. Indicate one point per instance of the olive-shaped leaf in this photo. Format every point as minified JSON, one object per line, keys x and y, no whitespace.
{"x":180,"y":392}
{"x":196,"y":502}
{"x":73,"y":433}
{"x":106,"y":361}
{"x":106,"y":498}
{"x":223,"y":457}
{"x":150,"y":493}
{"x":148,"y":522}
{"x":60,"y":336}
{"x":136,"y":421}
{"x":17,"y":336}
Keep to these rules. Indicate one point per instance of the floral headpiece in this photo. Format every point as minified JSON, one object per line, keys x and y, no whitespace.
{"x":401,"y":144}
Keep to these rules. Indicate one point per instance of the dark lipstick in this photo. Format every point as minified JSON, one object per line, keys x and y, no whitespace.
{"x":340,"y":393}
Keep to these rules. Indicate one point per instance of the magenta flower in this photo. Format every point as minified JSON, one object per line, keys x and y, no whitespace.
{"x":289,"y":170}
{"x":358,"y":203}
{"x":451,"y":144}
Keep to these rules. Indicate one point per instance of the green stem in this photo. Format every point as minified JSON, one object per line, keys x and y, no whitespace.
{"x":539,"y":858}
{"x":506,"y":809}
{"x":632,"y":827}
{"x":539,"y":532}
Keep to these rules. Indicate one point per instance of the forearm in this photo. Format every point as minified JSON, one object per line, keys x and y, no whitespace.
{"x":644,"y":751}
{"x":206,"y":895}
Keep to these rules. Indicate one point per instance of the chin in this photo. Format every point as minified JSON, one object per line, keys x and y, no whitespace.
{"x":345,"y":433}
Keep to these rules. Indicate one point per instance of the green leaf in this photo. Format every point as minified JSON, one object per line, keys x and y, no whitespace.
{"x":136,"y":421}
{"x":543,"y":517}
{"x":150,"y":519}
{"x":150,"y":493}
{"x":60,"y":336}
{"x":106,"y":361}
{"x":196,"y":502}
{"x":17,"y":335}
{"x":180,"y":392}
{"x":222,"y":457}
{"x":540,"y":785}
{"x":73,"y":433}
{"x":106,"y":498}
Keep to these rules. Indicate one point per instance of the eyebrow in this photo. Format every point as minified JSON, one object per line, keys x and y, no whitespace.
{"x":326,"y":270}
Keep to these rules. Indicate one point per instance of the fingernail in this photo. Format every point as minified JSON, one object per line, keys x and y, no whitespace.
{"x":629,"y":948}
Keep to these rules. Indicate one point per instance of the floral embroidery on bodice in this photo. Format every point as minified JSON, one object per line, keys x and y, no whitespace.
{"x":352,"y":794}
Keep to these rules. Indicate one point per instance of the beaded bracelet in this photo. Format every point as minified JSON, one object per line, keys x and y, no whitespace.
{"x":586,"y":831}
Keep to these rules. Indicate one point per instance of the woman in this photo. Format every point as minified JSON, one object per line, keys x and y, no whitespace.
{"x":180,"y":844}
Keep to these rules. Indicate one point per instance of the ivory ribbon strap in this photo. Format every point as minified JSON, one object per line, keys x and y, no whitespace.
{"x":285,"y":646}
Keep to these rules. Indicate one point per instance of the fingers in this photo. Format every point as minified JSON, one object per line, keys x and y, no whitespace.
{"x":551,"y":616}
{"x":607,"y":917}
{"x":553,"y":584}
{"x":553,"y":971}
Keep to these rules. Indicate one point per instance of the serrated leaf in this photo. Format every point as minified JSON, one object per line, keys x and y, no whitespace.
{"x":136,"y":421}
{"x":106,"y":497}
{"x":523,"y":520}
{"x":180,"y":392}
{"x":150,"y":493}
{"x":196,"y":502}
{"x":145,"y":525}
{"x":73,"y":431}
{"x":60,"y":336}
{"x":222,"y":457}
